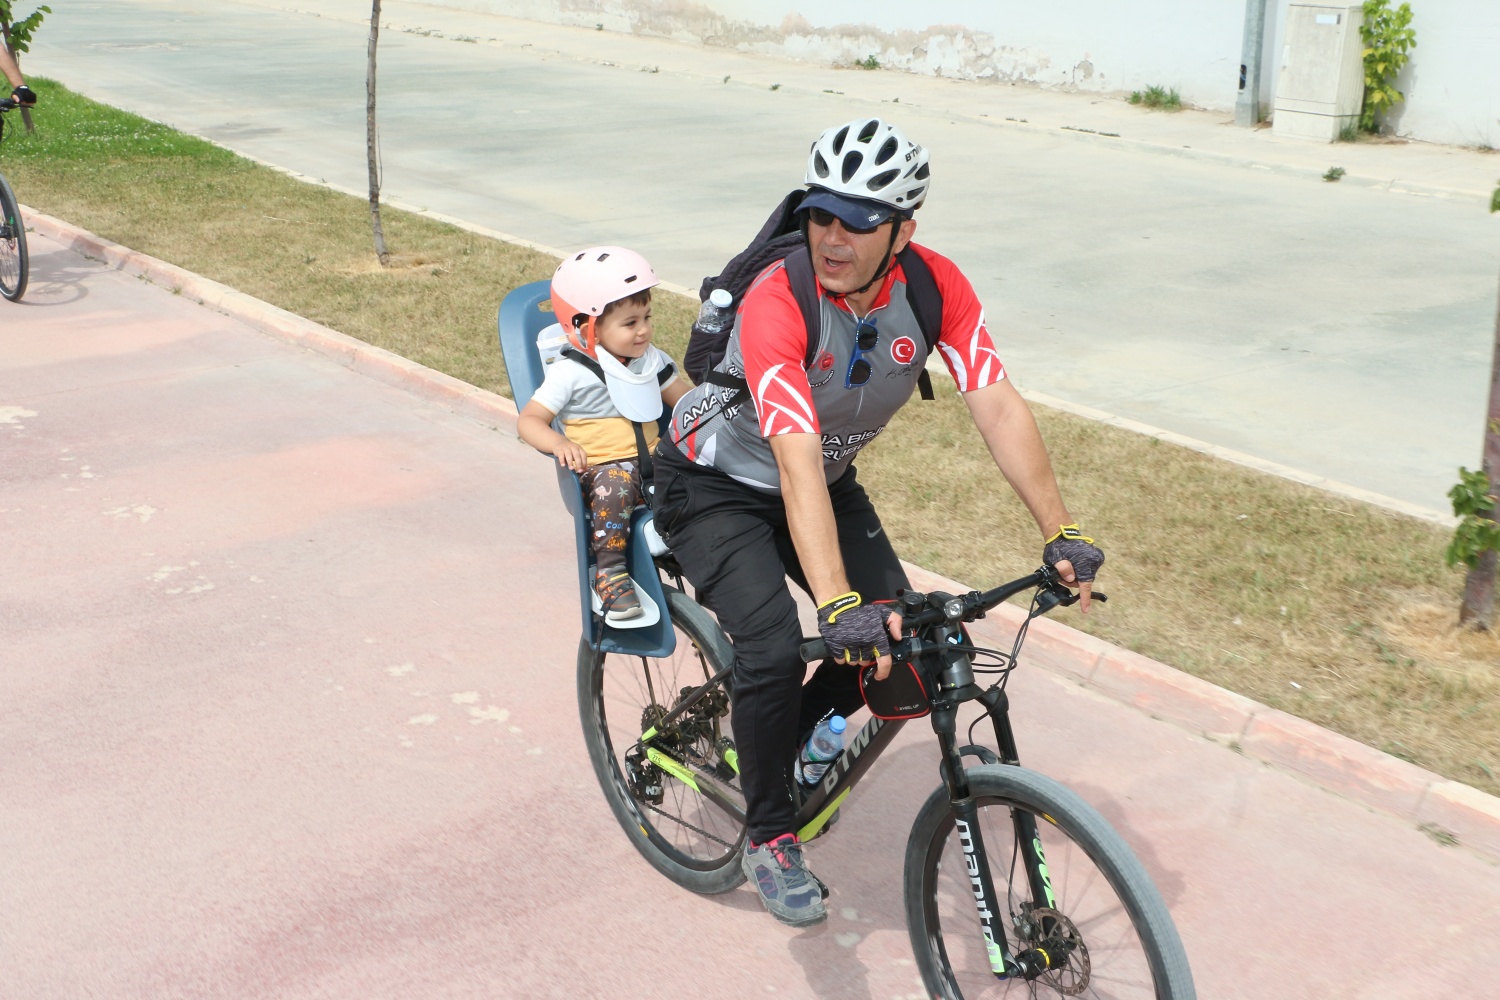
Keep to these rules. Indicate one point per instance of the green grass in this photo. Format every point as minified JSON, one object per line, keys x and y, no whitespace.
{"x":1332,"y":610}
{"x":1158,"y":98}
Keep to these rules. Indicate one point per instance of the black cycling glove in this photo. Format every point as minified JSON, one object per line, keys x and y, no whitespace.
{"x":24,"y":95}
{"x":854,"y":632}
{"x":1077,"y":548}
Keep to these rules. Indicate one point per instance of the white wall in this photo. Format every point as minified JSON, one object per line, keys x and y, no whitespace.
{"x":1452,"y":85}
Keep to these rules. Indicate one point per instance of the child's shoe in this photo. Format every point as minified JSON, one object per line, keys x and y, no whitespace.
{"x":617,"y":594}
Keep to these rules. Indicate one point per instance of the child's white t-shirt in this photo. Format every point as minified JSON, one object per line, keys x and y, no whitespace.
{"x":589,"y":417}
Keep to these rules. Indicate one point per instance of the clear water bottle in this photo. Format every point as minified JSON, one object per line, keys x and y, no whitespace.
{"x":822,"y":749}
{"x":717,"y":314}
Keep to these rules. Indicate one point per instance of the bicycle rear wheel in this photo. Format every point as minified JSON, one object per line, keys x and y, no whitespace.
{"x":681,"y":831}
{"x":14,"y":264}
{"x":1106,"y":917}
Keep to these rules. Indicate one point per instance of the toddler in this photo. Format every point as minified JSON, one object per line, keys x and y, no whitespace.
{"x":607,"y":388}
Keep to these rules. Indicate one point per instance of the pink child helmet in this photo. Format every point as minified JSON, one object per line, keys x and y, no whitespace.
{"x":586,"y":282}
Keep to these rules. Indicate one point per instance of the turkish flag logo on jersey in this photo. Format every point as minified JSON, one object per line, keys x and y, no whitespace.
{"x":903,"y":350}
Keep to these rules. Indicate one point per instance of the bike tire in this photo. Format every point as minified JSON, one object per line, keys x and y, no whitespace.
{"x":1111,"y":904}
{"x":15,"y":265}
{"x":684,"y":835}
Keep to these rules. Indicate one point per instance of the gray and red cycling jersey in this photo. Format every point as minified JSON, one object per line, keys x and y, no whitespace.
{"x":768,"y":349}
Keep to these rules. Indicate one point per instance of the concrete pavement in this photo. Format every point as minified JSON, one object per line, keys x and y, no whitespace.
{"x":291,"y":715}
{"x":1171,"y":270}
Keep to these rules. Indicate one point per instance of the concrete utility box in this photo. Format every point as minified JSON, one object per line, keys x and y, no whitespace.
{"x":1321,"y":86}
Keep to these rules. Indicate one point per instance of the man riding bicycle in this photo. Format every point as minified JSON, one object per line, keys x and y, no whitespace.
{"x":750,"y":495}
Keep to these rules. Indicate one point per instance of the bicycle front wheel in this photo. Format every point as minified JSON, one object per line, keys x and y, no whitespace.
{"x":656,"y":786}
{"x":1101,"y":919}
{"x":14,"y":265}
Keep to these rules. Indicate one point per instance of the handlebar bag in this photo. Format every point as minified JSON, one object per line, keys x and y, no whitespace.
{"x":902,"y":695}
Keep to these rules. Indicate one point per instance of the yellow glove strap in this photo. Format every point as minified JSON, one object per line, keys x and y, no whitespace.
{"x":844,"y":602}
{"x":1069,"y":531}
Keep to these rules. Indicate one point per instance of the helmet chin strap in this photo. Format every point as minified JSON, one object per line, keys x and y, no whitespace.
{"x":890,"y":258}
{"x":584,"y":342}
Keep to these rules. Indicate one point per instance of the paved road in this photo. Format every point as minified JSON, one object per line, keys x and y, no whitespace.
{"x":290,"y":714}
{"x":1340,"y":329}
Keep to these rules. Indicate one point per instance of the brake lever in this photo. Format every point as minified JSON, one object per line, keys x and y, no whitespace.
{"x":1058,"y":596}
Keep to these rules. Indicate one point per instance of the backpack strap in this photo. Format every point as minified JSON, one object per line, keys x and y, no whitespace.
{"x":642,"y":453}
{"x":804,"y":282}
{"x":922,"y":294}
{"x":927,"y":302}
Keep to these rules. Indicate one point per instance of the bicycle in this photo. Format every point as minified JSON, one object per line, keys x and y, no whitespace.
{"x":15,"y":266}
{"x":672,"y":784}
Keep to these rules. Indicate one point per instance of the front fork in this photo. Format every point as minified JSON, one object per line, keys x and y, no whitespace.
{"x":1030,"y":962}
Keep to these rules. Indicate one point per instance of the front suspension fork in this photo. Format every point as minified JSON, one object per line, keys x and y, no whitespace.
{"x":1030,"y":963}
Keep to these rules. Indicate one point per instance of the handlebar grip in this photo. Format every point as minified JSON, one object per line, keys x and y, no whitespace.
{"x":813,"y":649}
{"x":6,"y":104}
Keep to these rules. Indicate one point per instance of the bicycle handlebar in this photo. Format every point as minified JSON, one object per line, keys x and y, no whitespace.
{"x":918,"y":611}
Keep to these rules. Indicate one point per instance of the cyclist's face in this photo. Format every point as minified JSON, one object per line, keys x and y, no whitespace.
{"x":844,"y":259}
{"x":626,"y":331}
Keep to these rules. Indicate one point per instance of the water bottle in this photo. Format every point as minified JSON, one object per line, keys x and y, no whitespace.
{"x":822,"y":749}
{"x":716,"y":316}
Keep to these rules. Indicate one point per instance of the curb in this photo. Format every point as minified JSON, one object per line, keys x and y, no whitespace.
{"x":1340,"y":765}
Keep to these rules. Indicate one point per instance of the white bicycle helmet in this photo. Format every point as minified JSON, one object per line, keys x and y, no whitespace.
{"x":871,"y":160}
{"x":584,"y":283}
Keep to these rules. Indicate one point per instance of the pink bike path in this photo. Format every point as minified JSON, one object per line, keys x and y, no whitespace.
{"x":289,"y":712}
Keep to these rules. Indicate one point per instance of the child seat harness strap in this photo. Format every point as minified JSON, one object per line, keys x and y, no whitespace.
{"x":643,"y":454}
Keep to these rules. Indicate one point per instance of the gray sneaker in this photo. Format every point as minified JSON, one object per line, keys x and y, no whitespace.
{"x":791,"y":892}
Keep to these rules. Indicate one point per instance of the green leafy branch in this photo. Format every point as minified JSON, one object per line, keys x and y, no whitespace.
{"x":18,"y":33}
{"x":1388,"y":39}
{"x":1477,"y":532}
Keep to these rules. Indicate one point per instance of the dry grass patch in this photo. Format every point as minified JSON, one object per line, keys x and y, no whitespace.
{"x":1335,"y":611}
{"x":1332,"y":610}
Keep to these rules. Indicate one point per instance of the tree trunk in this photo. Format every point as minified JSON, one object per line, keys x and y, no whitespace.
{"x":370,"y":140}
{"x":1478,"y":611}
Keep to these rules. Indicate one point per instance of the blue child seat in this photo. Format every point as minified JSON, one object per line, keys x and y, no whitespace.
{"x":524,"y":313}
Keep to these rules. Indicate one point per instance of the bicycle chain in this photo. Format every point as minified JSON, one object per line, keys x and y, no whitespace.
{"x":683,"y":822}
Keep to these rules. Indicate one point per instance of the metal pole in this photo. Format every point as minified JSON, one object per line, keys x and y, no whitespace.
{"x":1247,"y":104}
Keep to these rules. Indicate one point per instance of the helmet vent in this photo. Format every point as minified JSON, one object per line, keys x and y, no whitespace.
{"x":868,"y":132}
{"x":838,"y":140}
{"x":820,"y":165}
{"x":602,"y":257}
{"x":922,"y":172}
{"x":633,"y":277}
{"x":852,"y":164}
{"x":880,"y":180}
{"x":887,"y":150}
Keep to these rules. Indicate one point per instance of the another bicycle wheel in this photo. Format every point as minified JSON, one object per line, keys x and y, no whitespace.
{"x":680,"y":830}
{"x":1106,"y":916}
{"x":14,"y":265}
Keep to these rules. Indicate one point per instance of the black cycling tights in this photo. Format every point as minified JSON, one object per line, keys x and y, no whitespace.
{"x":736,"y":549}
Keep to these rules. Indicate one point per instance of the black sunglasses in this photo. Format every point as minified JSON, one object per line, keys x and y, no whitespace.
{"x":823,"y":217}
{"x":865,"y":339}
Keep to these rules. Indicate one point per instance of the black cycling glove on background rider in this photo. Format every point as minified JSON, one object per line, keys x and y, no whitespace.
{"x":854,"y":632}
{"x":1072,"y":544}
{"x":24,"y":95}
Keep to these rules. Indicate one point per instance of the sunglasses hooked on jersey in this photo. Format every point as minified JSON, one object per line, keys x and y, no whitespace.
{"x":865,"y":339}
{"x":823,"y":217}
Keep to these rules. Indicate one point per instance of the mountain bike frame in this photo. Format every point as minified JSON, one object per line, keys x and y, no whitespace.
{"x":936,"y":643}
